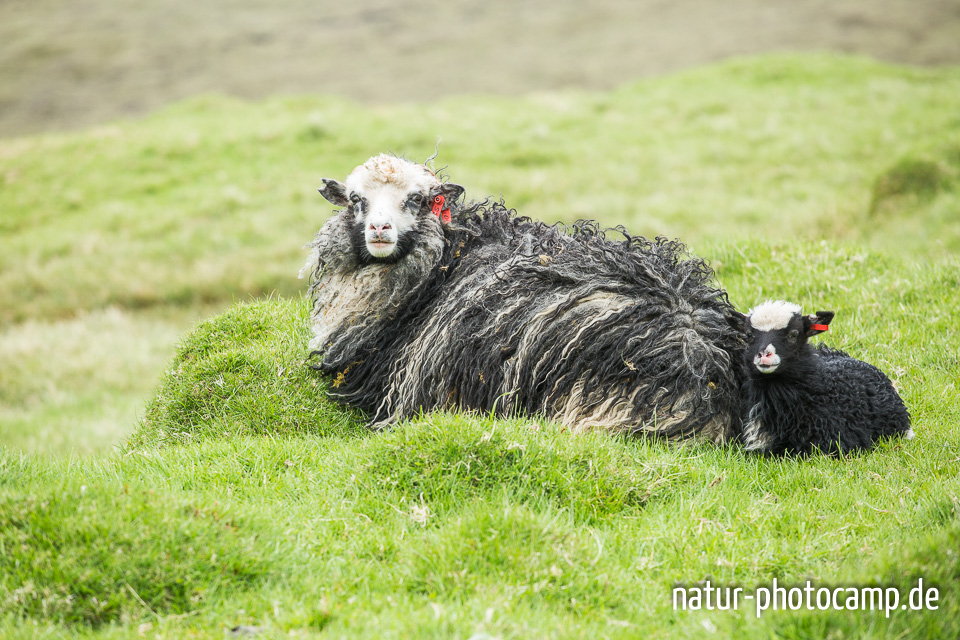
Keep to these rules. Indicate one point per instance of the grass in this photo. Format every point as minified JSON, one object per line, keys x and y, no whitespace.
{"x":240,"y":496}
{"x":77,"y":384}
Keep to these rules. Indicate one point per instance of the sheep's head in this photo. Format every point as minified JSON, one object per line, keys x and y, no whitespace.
{"x":778,"y":336}
{"x":389,"y":199}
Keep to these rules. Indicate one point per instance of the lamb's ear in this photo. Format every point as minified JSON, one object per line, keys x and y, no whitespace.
{"x":334,"y":192}
{"x":816,"y":323}
{"x":451,"y":192}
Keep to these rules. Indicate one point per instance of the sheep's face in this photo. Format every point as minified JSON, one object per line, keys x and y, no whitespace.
{"x":778,"y":336}
{"x":388,"y":198}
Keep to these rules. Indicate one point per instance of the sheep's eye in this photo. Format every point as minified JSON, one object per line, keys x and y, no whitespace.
{"x":355,"y":198}
{"x":416,"y":199}
{"x":793,"y":335}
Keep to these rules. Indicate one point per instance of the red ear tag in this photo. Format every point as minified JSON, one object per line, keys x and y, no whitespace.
{"x":819,"y":327}
{"x":439,"y":211}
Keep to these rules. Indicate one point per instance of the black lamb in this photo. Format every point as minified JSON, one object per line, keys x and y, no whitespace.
{"x":798,"y":399}
{"x":422,"y":303}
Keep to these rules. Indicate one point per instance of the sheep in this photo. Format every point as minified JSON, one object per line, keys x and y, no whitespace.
{"x":421,"y":302}
{"x":799,"y":399}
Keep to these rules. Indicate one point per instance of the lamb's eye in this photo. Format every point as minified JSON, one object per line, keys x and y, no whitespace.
{"x":793,"y":335}
{"x":416,"y":200}
{"x":355,"y":198}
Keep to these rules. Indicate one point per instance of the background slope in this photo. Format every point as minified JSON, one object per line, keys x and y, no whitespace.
{"x":69,"y":64}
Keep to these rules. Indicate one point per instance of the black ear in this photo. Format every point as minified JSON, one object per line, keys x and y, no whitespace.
{"x":334,"y":192}
{"x":450,"y":192}
{"x":816,"y":323}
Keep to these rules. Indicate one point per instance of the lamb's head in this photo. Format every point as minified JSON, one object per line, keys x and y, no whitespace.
{"x":779,"y":332}
{"x":389,"y":199}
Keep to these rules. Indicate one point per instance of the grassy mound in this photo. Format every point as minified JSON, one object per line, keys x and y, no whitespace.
{"x":244,"y":372}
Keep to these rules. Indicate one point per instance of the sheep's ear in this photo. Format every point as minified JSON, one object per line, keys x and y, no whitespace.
{"x":334,"y":192}
{"x":451,"y":192}
{"x":817,"y":323}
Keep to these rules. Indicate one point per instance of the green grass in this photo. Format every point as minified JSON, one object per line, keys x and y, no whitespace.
{"x":238,"y":495}
{"x":78,"y":384}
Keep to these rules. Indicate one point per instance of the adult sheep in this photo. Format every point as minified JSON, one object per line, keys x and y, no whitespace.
{"x":423,"y":303}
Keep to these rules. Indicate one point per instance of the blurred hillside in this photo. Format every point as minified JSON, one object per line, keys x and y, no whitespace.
{"x":71,"y":64}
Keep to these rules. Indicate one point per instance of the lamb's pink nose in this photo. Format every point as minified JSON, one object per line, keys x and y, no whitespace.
{"x":768,"y":355}
{"x":380,"y":228}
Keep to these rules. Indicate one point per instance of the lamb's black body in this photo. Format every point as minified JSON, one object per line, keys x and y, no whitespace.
{"x":495,"y":312}
{"x":827,"y":402}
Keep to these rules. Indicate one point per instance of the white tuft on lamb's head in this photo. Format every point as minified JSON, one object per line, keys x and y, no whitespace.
{"x":388,"y":197}
{"x":779,"y":333}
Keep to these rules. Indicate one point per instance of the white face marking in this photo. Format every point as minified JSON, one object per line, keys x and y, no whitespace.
{"x":773,"y":315}
{"x":767,"y":360}
{"x":385,"y":218}
{"x":385,"y":183}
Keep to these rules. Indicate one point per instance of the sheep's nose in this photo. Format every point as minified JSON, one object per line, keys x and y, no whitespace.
{"x":380,"y":228}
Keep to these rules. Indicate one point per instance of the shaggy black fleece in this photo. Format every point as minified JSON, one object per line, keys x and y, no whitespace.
{"x":497,"y":313}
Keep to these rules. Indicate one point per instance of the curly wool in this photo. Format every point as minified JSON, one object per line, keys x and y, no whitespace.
{"x":829,"y":402}
{"x":497,"y":313}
